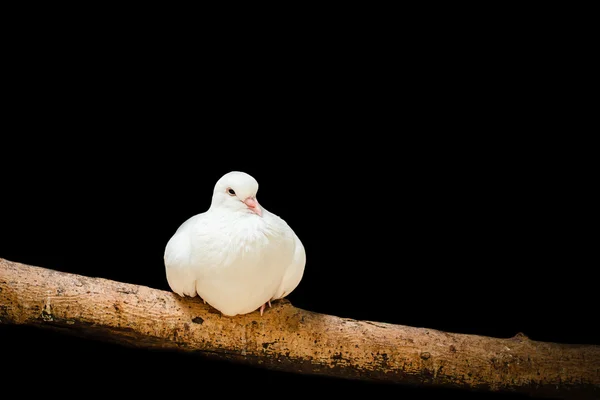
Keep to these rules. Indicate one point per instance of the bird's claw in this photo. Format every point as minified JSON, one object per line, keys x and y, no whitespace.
{"x":262,"y":308}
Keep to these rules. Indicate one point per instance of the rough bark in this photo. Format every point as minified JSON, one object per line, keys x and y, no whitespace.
{"x":291,"y":339}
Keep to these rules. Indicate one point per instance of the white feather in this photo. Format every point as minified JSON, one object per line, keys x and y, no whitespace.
{"x":294,"y":273}
{"x":231,"y":257}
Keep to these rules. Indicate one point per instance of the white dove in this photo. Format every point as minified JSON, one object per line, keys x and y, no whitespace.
{"x":236,"y":256}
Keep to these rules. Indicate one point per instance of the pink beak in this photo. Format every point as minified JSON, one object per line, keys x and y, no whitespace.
{"x":253,"y":205}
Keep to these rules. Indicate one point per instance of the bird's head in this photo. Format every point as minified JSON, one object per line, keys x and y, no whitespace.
{"x":236,"y":191}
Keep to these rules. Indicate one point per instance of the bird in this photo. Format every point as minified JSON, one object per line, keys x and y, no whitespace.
{"x":236,"y":256}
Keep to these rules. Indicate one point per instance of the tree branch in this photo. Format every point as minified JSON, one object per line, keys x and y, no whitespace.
{"x":295,"y":340}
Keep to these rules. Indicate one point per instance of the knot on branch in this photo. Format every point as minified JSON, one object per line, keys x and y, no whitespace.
{"x":520,"y":337}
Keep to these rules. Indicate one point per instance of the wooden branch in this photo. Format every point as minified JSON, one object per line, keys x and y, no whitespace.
{"x":291,"y":339}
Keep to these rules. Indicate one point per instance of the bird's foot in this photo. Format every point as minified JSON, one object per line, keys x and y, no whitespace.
{"x":262,"y":308}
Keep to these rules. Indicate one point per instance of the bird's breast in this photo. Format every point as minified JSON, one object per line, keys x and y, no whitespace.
{"x":248,"y":243}
{"x":243,"y":262}
{"x":256,"y":240}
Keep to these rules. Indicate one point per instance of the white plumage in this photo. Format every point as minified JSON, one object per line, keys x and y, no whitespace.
{"x":236,"y":256}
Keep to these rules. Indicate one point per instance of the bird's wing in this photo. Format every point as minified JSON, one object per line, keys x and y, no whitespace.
{"x":180,"y":275}
{"x":294,"y":272}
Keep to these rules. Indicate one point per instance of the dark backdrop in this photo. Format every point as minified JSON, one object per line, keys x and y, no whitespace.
{"x":468,"y":236}
{"x":429,"y":191}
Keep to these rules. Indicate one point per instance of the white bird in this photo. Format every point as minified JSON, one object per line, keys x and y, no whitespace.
{"x":236,"y":256}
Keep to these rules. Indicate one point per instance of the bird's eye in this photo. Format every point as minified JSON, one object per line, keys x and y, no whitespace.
{"x":231,"y":191}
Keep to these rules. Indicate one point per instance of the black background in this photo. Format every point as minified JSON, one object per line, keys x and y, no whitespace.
{"x":444,"y":191}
